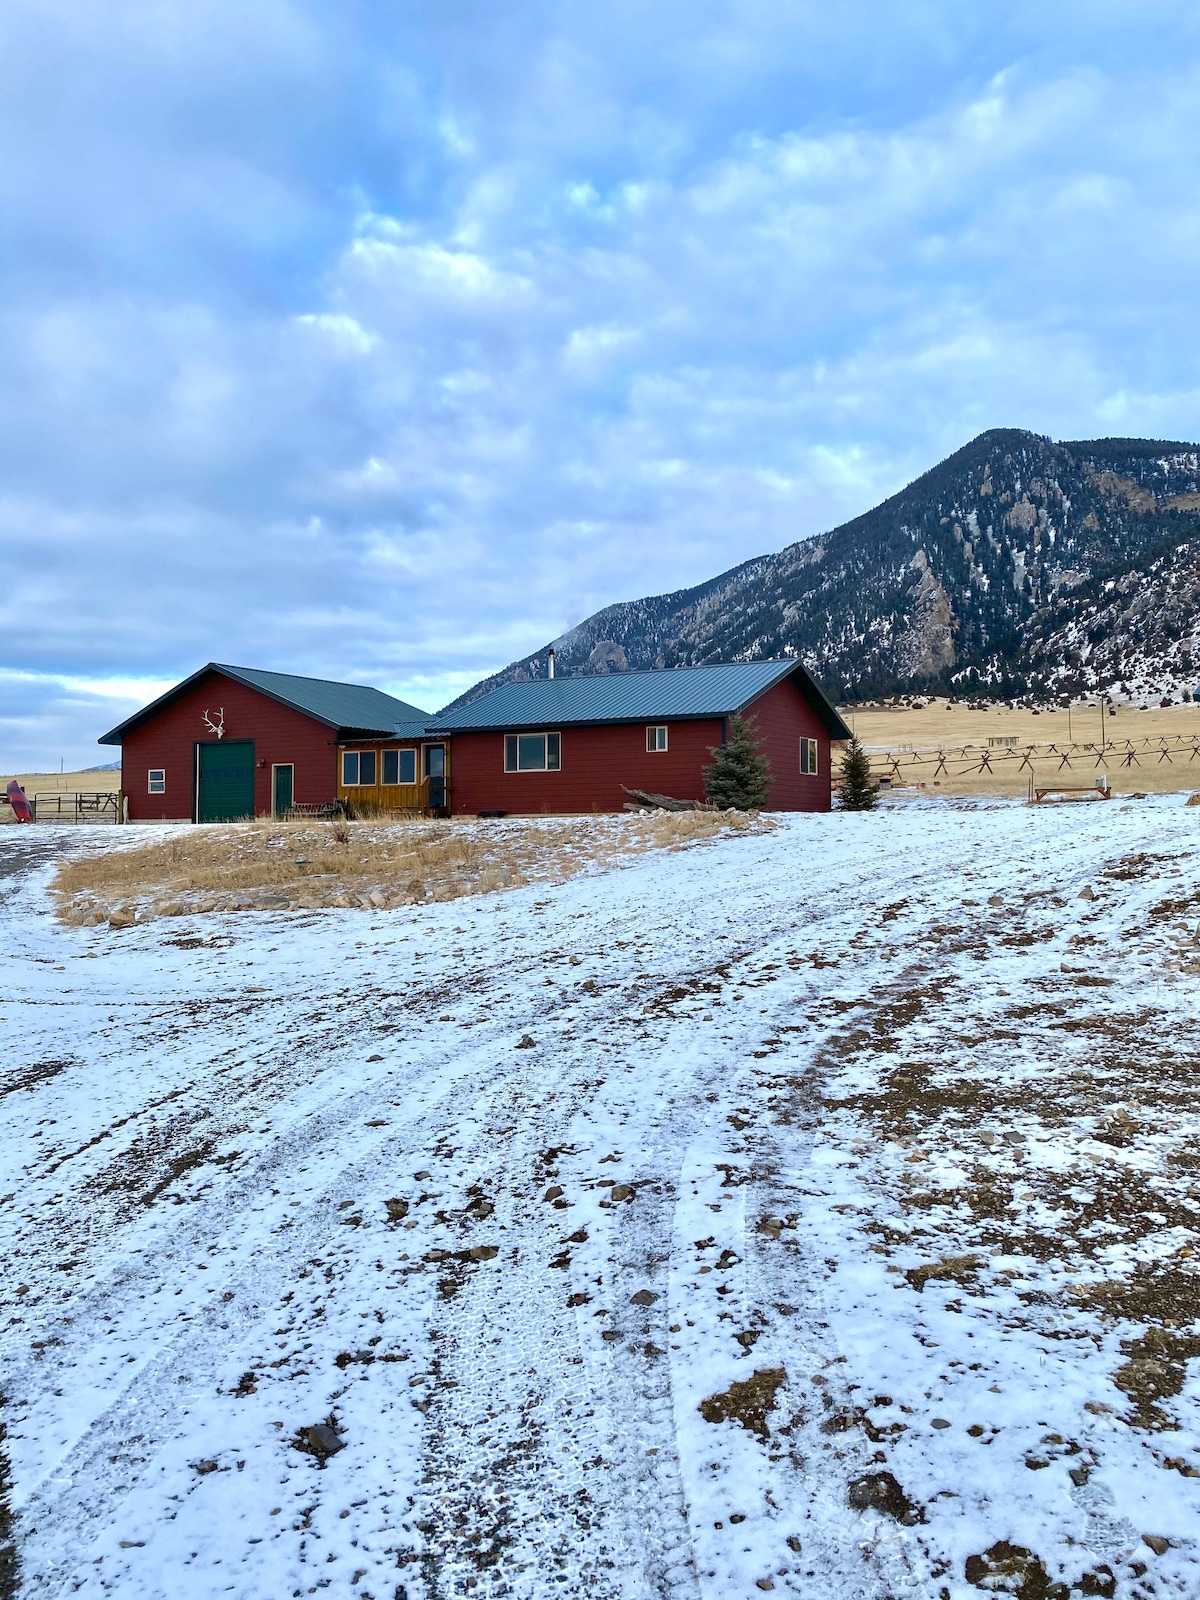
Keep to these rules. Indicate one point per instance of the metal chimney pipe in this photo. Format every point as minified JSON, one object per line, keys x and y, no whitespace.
{"x":550,"y":662}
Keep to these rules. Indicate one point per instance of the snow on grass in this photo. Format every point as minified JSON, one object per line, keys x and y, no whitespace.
{"x":814,"y":1212}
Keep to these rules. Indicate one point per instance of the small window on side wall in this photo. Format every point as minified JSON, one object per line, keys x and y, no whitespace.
{"x":656,"y":738}
{"x":808,"y":756}
{"x":532,"y":752}
{"x":157,"y":780}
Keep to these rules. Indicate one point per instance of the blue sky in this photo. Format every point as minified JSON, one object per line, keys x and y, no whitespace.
{"x":386,"y":341}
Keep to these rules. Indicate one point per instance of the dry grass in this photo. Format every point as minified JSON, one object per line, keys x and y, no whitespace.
{"x":270,"y":865}
{"x":72,"y":782}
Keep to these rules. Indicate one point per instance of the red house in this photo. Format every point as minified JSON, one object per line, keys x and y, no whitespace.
{"x":233,"y":742}
{"x":576,"y":744}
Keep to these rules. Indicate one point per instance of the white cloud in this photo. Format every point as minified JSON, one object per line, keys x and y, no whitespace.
{"x":381,"y":350}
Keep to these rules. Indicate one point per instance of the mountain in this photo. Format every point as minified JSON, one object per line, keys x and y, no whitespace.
{"x":1018,"y":567}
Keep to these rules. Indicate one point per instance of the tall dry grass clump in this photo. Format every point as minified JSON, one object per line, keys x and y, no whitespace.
{"x":269,"y":865}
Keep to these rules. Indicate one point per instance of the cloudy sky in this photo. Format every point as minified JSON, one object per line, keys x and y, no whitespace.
{"x":385,"y":341}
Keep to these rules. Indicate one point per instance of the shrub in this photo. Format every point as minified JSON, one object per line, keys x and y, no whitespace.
{"x":858,"y":793}
{"x":739,"y":778}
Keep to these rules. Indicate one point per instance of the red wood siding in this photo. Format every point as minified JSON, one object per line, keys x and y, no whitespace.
{"x":782,"y":717}
{"x":280,"y":735}
{"x":595,"y":763}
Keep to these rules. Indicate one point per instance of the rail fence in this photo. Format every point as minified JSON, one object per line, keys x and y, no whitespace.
{"x":1004,"y":757}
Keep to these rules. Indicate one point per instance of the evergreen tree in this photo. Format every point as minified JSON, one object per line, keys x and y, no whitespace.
{"x":739,"y":778}
{"x":856,"y":790}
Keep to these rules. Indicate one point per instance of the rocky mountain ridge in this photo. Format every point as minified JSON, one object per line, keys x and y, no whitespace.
{"x":1016,"y":567}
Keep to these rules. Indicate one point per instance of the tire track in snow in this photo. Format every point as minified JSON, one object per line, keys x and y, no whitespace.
{"x":655,"y":1554}
{"x":492,"y":1374}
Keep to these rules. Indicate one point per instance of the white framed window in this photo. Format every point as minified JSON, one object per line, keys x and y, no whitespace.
{"x":399,"y":766}
{"x":532,"y":752}
{"x":358,"y":768}
{"x":156,"y":780}
{"x":656,"y":737}
{"x":808,"y":756}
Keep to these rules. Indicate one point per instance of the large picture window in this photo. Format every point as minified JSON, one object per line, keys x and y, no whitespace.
{"x":399,"y":766}
{"x":358,"y":768}
{"x":808,"y":756}
{"x":532,"y":752}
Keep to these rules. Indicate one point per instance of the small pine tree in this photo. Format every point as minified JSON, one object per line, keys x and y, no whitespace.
{"x":856,"y":789}
{"x":739,"y":778}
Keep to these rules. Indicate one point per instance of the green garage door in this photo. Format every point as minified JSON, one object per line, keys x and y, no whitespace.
{"x":225,"y":780}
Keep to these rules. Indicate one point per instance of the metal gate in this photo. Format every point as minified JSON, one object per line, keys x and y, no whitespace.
{"x":61,"y":805}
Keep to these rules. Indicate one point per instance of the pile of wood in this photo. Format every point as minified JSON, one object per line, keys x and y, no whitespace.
{"x":641,"y":801}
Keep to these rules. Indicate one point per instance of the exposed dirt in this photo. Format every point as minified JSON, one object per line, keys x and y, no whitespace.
{"x":747,"y":1402}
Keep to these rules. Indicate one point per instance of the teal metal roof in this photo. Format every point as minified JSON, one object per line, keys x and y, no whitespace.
{"x":340,"y":705}
{"x":714,"y":691}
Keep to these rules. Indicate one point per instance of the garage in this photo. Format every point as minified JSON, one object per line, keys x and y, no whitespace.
{"x":233,"y":742}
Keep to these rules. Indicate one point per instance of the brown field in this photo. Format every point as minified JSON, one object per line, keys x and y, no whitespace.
{"x":268,"y":865}
{"x":917,"y":735}
{"x":72,"y":782}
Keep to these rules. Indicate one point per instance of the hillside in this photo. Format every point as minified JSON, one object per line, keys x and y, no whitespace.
{"x":1016,"y":567}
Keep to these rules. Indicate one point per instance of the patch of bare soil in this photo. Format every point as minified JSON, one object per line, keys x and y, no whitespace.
{"x":28,"y":1077}
{"x":1155,"y":1370}
{"x":881,"y":1491}
{"x":953,"y":1269}
{"x":273,"y":866}
{"x":1011,"y":1569}
{"x":747,"y":1402}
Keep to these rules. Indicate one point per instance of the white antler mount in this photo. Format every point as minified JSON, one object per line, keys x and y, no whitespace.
{"x":217,"y":727}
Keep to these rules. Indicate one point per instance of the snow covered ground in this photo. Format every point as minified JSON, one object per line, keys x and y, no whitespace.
{"x":811,"y":1212}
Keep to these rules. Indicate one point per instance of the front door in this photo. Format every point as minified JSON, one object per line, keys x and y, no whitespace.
{"x":435,"y":770}
{"x":225,"y":780}
{"x":282,"y":780}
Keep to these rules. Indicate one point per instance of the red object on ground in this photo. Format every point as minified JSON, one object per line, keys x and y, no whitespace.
{"x":16,"y":799}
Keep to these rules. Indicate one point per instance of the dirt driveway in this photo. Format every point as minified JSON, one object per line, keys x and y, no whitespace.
{"x":709,"y":1227}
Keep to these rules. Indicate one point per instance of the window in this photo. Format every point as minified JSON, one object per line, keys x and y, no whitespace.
{"x":358,"y":768}
{"x":532,"y":752}
{"x":399,"y":766}
{"x":808,"y":755}
{"x":656,"y":738}
{"x":157,"y":781}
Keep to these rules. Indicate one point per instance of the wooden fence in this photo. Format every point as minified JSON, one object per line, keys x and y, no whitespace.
{"x":1003,"y":757}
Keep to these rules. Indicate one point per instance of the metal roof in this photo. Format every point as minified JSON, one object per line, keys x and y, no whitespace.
{"x":714,"y":691}
{"x":340,"y":705}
